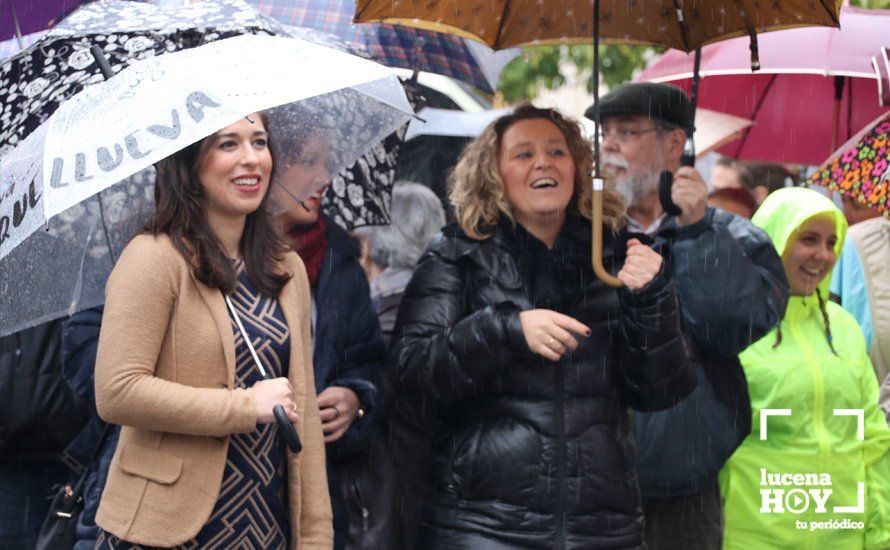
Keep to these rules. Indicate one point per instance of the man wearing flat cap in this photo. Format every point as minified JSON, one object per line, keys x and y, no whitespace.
{"x":732,"y":291}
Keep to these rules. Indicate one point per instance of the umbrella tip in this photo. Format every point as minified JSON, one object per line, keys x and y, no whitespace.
{"x":755,"y":51}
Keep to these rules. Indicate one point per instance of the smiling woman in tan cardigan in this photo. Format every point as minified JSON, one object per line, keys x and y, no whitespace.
{"x":199,"y":462}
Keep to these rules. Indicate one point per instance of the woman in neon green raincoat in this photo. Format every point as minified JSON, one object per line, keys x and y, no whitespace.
{"x":813,"y":370}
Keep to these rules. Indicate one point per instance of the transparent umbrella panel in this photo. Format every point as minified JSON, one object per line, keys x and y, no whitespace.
{"x":67,"y":191}
{"x":62,"y":267}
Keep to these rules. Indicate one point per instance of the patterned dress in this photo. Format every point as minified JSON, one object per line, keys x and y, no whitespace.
{"x":252,"y":509}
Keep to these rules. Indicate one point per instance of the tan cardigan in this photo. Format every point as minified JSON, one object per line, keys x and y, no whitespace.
{"x":165,"y":371}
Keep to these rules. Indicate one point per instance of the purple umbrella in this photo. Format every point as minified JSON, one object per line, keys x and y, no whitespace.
{"x":396,"y":46}
{"x":21,"y":17}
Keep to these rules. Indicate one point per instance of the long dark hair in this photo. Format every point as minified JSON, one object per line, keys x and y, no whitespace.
{"x":179,"y":214}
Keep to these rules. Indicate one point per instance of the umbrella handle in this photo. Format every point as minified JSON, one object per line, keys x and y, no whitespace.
{"x":665,"y":184}
{"x":596,"y":257}
{"x":287,"y":429}
{"x":666,"y":180}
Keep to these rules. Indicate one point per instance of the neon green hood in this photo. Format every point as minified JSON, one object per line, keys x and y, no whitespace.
{"x":785,"y":210}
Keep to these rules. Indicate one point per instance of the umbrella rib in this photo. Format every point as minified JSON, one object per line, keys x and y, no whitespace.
{"x":683,"y":29}
{"x":830,"y":10}
{"x":359,"y":13}
{"x":849,"y":87}
{"x":18,"y":30}
{"x":760,"y":102}
{"x":497,"y":37}
{"x":105,"y":228}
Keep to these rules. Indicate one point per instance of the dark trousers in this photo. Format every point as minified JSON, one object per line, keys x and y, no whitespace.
{"x":26,"y":490}
{"x":690,"y":522}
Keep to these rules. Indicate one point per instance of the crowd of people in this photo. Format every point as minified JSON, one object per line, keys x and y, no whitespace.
{"x":463,"y":380}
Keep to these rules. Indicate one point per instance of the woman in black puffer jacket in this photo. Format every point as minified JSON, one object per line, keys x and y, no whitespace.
{"x":526,"y":361}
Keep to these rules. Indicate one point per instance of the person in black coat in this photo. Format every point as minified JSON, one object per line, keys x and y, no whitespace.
{"x":524,"y":360}
{"x":39,"y":416}
{"x":93,"y":448}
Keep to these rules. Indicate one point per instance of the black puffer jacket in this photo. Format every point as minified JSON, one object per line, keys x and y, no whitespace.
{"x":528,"y":453}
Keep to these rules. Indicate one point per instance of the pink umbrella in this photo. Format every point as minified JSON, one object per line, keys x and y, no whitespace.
{"x":816,"y":87}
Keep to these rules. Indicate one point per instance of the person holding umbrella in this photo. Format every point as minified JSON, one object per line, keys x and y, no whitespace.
{"x":196,"y":308}
{"x":732,"y":290}
{"x":525,"y":359}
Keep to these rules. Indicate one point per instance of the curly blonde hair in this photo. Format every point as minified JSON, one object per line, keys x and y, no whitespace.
{"x":476,"y":190}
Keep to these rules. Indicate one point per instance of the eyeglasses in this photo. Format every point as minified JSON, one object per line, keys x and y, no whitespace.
{"x":624,"y":135}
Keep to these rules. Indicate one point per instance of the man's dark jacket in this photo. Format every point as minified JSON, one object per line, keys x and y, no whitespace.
{"x":529,"y":453}
{"x":732,"y":290}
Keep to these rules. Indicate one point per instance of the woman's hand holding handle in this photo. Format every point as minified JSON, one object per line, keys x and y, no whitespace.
{"x":641,"y":266}
{"x":268,"y":393}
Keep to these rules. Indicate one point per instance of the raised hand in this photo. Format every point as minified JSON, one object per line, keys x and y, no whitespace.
{"x":690,"y":194}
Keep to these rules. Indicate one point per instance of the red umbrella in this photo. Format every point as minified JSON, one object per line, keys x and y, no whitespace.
{"x":816,"y":87}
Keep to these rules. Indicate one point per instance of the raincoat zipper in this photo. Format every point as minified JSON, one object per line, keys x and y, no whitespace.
{"x":560,"y":458}
{"x":818,"y":401}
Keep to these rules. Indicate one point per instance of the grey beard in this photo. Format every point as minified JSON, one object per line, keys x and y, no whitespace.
{"x":633,"y":187}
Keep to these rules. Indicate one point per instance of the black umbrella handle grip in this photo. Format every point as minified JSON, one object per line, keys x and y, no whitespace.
{"x":102,"y":62}
{"x":665,"y":183}
{"x":287,"y":429}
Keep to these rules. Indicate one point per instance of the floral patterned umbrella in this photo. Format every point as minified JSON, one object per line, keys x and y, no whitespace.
{"x":860,"y":169}
{"x":34,"y":82}
{"x":360,"y":195}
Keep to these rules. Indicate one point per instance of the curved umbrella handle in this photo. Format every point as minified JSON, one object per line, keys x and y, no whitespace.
{"x":596,"y":257}
{"x":287,"y":429}
{"x":665,"y":185}
{"x":666,"y":180}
